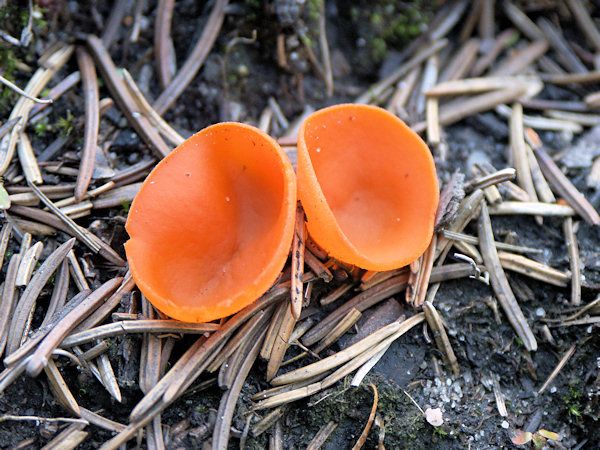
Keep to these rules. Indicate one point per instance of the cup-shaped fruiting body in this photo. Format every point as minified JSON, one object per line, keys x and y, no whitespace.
{"x":212,"y":225}
{"x":368,"y":185}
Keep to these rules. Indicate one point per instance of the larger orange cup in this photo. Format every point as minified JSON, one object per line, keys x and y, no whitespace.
{"x":211,"y":228}
{"x":368,"y":185}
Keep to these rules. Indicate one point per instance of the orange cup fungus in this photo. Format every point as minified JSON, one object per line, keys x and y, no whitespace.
{"x":368,"y":185}
{"x":212,"y":225}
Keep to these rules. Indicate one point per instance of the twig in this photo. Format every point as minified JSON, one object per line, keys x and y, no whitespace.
{"x":573,"y":250}
{"x":322,"y":435}
{"x":363,"y":436}
{"x":558,"y":368}
{"x":136,"y":326}
{"x":23,"y":106}
{"x":375,"y":91}
{"x":324,"y":46}
{"x":163,"y":44}
{"x":441,"y":338}
{"x":533,"y":269}
{"x":563,"y":186}
{"x":281,"y":343}
{"x":20,"y":91}
{"x":522,"y":22}
{"x":186,"y":370}
{"x":28,"y":298}
{"x":92,"y":122}
{"x":194,"y":62}
{"x":126,"y":102}
{"x":298,"y":263}
{"x":229,"y":399}
{"x":39,"y":359}
{"x":459,"y":109}
{"x":564,"y":54}
{"x":532,"y":208}
{"x":500,"y":283}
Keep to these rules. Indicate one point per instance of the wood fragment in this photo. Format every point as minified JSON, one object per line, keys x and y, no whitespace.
{"x":268,"y":421}
{"x":336,"y":294}
{"x":92,"y":122}
{"x":230,"y":369}
{"x":194,"y":62}
{"x":467,"y":209}
{"x":363,"y":436}
{"x":523,"y":59}
{"x":68,"y":439}
{"x":500,"y":283}
{"x":446,"y":19}
{"x":573,"y":249}
{"x":36,"y":337}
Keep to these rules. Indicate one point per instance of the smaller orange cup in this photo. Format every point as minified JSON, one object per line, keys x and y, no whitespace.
{"x":368,"y":185}
{"x":211,"y":228}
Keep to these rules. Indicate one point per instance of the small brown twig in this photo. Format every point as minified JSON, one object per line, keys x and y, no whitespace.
{"x":92,"y":121}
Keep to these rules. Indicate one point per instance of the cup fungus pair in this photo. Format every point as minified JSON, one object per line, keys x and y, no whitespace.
{"x":211,"y":228}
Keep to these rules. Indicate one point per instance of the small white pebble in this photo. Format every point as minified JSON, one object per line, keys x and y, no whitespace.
{"x":505,"y":424}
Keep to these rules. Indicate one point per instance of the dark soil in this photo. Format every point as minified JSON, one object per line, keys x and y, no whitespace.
{"x":486,"y":351}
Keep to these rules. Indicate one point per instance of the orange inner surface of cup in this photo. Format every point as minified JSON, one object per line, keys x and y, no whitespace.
{"x":212,"y":225}
{"x":368,"y":185}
